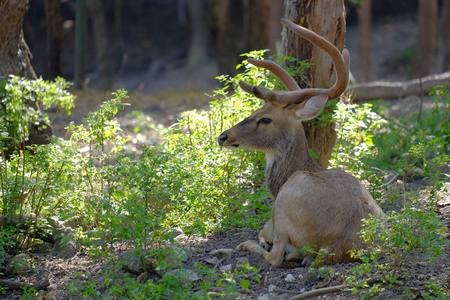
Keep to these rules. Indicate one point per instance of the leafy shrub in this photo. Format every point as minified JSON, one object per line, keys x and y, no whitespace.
{"x":21,"y":99}
{"x":356,"y":127}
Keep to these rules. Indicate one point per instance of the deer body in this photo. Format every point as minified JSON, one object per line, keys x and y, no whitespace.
{"x":314,"y":206}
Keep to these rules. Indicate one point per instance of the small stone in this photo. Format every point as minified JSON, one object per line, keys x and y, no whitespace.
{"x":225,"y":269}
{"x":289,"y":278}
{"x":242,"y":261}
{"x":223,"y":252}
{"x":194,"y":277}
{"x":264,"y":297}
{"x":272,"y":287}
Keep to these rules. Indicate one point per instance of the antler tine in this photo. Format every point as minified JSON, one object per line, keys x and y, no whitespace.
{"x":278,"y":71}
{"x":341,"y":61}
{"x":295,"y":95}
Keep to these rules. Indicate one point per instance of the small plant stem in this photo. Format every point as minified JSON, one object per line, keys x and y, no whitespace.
{"x":189,"y":131}
{"x":210,"y":130}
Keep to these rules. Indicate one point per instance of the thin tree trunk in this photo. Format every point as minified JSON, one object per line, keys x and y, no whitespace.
{"x":15,"y":56}
{"x":199,"y":44}
{"x":276,"y":13}
{"x":54,"y":36}
{"x":326,"y":18}
{"x":258,"y":29}
{"x":80,"y":43}
{"x":224,"y":36}
{"x":444,"y":40}
{"x":427,"y":35}
{"x":102,"y":46}
{"x":365,"y":16}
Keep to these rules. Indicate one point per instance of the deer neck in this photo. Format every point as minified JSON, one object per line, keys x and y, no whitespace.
{"x":292,"y":155}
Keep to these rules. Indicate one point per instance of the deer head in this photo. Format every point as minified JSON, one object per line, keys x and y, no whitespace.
{"x":296,"y":103}
{"x":313,"y":206}
{"x":276,"y":128}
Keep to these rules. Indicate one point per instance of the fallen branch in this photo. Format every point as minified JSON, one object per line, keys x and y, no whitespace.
{"x":329,"y":290}
{"x":395,"y":90}
{"x":14,"y":284}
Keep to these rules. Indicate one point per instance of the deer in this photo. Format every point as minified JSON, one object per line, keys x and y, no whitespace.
{"x":314,"y":206}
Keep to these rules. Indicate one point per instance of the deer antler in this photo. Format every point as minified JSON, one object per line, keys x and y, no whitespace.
{"x":295,"y":95}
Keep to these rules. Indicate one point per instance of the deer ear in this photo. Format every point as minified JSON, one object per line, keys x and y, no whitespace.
{"x":312,"y":108}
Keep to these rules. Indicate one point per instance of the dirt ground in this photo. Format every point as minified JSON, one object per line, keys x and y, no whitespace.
{"x":163,"y":107}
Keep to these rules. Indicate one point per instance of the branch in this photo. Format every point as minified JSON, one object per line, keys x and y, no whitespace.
{"x":399,"y":89}
{"x":329,"y":290}
{"x":41,"y":283}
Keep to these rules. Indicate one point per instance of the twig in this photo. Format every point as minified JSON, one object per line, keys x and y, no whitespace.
{"x":421,"y":99}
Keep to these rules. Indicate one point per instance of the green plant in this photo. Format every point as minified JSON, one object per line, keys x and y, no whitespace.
{"x":356,"y":127}
{"x":21,"y":102}
{"x":397,"y":138}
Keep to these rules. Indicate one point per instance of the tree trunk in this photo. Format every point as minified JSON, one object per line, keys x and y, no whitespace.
{"x":257,"y":33}
{"x":15,"y":55}
{"x":276,"y":13}
{"x":80,"y":43}
{"x":443,"y":60}
{"x":242,"y":26}
{"x":102,"y":46}
{"x":327,"y":19}
{"x":15,"y":58}
{"x":224,"y":36}
{"x":54,"y":36}
{"x":365,"y":16}
{"x":199,"y":44}
{"x":427,"y":32}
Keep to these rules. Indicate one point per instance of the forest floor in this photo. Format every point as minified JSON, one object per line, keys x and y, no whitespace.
{"x":163,"y":107}
{"x":63,"y":276}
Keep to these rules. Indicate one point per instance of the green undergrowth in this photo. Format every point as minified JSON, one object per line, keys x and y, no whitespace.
{"x":110,"y":196}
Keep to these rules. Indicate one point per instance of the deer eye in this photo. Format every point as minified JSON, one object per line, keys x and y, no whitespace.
{"x":265,"y":121}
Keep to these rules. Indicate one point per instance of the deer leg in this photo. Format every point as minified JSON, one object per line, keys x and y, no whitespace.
{"x":253,"y":246}
{"x":275,"y":257}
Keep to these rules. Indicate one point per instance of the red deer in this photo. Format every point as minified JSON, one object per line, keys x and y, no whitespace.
{"x":314,"y":206}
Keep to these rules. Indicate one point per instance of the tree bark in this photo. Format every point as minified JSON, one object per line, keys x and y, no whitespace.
{"x":199,"y":44}
{"x":54,"y":36}
{"x":257,"y":34}
{"x":224,"y":36}
{"x":444,"y":40}
{"x":15,"y":56}
{"x":327,"y":19}
{"x":80,"y":43}
{"x":365,"y":16}
{"x":102,"y":46}
{"x":15,"y":59}
{"x":424,"y":53}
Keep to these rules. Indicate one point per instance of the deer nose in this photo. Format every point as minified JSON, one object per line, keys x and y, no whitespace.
{"x":222,"y":138}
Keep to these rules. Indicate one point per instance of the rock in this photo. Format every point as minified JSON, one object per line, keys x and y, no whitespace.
{"x":229,"y":253}
{"x":131,"y":262}
{"x":225,"y":269}
{"x":184,"y":274}
{"x":19,"y":264}
{"x":65,"y":245}
{"x":289,"y":278}
{"x":242,"y":261}
{"x":265,"y":297}
{"x":177,"y":254}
